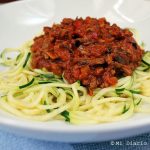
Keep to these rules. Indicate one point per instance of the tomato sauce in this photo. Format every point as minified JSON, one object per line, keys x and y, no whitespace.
{"x":90,"y":50}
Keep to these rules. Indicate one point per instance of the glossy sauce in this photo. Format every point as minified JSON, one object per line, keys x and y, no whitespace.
{"x":90,"y":50}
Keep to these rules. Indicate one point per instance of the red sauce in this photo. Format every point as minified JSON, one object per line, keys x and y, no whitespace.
{"x":90,"y":50}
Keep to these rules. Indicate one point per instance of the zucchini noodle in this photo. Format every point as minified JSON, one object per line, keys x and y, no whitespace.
{"x":40,"y":95}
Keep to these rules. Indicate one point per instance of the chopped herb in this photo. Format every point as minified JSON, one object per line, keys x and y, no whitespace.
{"x":27,"y":58}
{"x":26,"y":85}
{"x":65,"y":114}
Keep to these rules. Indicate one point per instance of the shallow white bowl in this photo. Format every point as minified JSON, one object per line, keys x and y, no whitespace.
{"x":20,"y":21}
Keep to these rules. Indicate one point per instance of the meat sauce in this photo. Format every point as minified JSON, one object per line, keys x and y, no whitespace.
{"x":90,"y":50}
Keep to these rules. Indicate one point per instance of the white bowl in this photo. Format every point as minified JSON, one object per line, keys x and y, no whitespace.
{"x":20,"y":21}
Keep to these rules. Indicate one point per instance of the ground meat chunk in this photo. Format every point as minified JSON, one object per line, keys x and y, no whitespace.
{"x":90,"y":50}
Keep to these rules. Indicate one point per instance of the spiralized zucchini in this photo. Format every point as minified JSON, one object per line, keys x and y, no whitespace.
{"x":40,"y":95}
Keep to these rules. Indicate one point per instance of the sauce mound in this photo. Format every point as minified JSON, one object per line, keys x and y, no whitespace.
{"x":90,"y":50}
